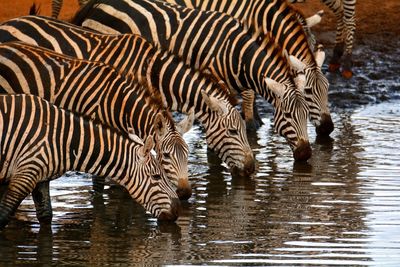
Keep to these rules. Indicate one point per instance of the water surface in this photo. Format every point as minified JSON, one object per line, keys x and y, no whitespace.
{"x":340,"y":208}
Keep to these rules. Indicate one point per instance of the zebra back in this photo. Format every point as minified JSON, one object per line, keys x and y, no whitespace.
{"x":207,"y":39}
{"x":97,"y":91}
{"x":40,"y":141}
{"x":179,"y":84}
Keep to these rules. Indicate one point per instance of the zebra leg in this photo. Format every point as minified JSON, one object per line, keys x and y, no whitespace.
{"x":16,"y":192}
{"x":249,"y":110}
{"x":98,"y":184}
{"x":350,"y":26}
{"x":337,"y":8}
{"x":41,"y":198}
{"x":56,"y":7}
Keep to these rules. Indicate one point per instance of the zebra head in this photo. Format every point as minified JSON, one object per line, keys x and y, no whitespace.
{"x":172,"y":152}
{"x":148,"y":184}
{"x":291,"y":115}
{"x":226,"y":133}
{"x":316,"y":94}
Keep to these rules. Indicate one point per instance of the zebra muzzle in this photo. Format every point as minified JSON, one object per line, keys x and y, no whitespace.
{"x":173,"y":213}
{"x":184,"y":189}
{"x":326,"y":125}
{"x":303,"y":151}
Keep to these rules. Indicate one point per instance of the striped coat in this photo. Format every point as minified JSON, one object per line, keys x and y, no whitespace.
{"x":211,"y":40}
{"x":181,"y":87}
{"x":91,"y":88}
{"x":279,"y":19}
{"x":40,"y":141}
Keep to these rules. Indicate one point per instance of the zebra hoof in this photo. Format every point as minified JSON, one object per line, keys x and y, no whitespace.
{"x":333,"y":67}
{"x":347,"y":74}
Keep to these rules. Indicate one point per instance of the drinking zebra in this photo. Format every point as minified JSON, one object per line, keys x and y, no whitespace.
{"x":182,"y":88}
{"x":344,"y":11}
{"x":97,"y":91}
{"x":277,"y":18}
{"x":40,"y":142}
{"x":212,"y":40}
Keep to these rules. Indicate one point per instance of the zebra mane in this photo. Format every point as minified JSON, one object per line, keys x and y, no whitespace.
{"x":228,"y":93}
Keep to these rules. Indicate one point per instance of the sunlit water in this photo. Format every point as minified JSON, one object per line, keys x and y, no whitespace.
{"x":342,"y":208}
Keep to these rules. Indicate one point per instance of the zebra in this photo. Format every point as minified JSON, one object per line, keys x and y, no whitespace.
{"x":40,"y":141}
{"x":345,"y":13}
{"x":57,"y":4}
{"x":95,"y":90}
{"x":182,"y":88}
{"x":215,"y":42}
{"x":277,"y":18}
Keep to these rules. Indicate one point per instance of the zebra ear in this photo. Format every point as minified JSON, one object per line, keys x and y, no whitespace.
{"x":277,"y":88}
{"x":214,"y":103}
{"x":134,"y":137}
{"x":320,"y":55}
{"x":315,"y":19}
{"x":186,"y":124}
{"x":300,"y":81}
{"x":296,"y":63}
{"x":160,"y":125}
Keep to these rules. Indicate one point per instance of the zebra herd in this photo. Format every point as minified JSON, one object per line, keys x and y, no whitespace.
{"x":96,"y":95}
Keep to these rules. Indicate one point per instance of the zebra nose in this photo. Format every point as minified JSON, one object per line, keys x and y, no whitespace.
{"x":184,"y":190}
{"x":249,"y":163}
{"x":173,"y":213}
{"x":326,"y":126}
{"x":303,"y":151}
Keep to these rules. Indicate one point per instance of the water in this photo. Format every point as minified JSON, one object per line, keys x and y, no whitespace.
{"x":341,"y":208}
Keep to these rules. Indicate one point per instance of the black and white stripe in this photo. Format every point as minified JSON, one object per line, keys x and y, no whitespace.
{"x":40,"y":142}
{"x":278,"y":19}
{"x":90,"y":88}
{"x":212,"y":40}
{"x":180,"y":85}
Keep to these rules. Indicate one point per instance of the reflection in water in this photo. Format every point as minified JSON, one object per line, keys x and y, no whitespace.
{"x":339,"y":208}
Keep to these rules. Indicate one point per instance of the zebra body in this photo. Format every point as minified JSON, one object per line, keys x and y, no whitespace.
{"x":179,"y":85}
{"x":90,"y":88}
{"x":212,"y":40}
{"x":344,"y":11}
{"x":40,"y":142}
{"x":277,"y":18}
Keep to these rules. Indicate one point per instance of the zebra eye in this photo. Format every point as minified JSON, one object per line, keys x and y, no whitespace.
{"x":233,"y":132}
{"x":166,"y":155}
{"x":157,"y":177}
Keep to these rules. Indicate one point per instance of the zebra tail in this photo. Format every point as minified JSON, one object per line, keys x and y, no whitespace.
{"x":84,"y":12}
{"x":33,"y":10}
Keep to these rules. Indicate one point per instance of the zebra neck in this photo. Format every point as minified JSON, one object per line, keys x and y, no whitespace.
{"x":100,"y":151}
